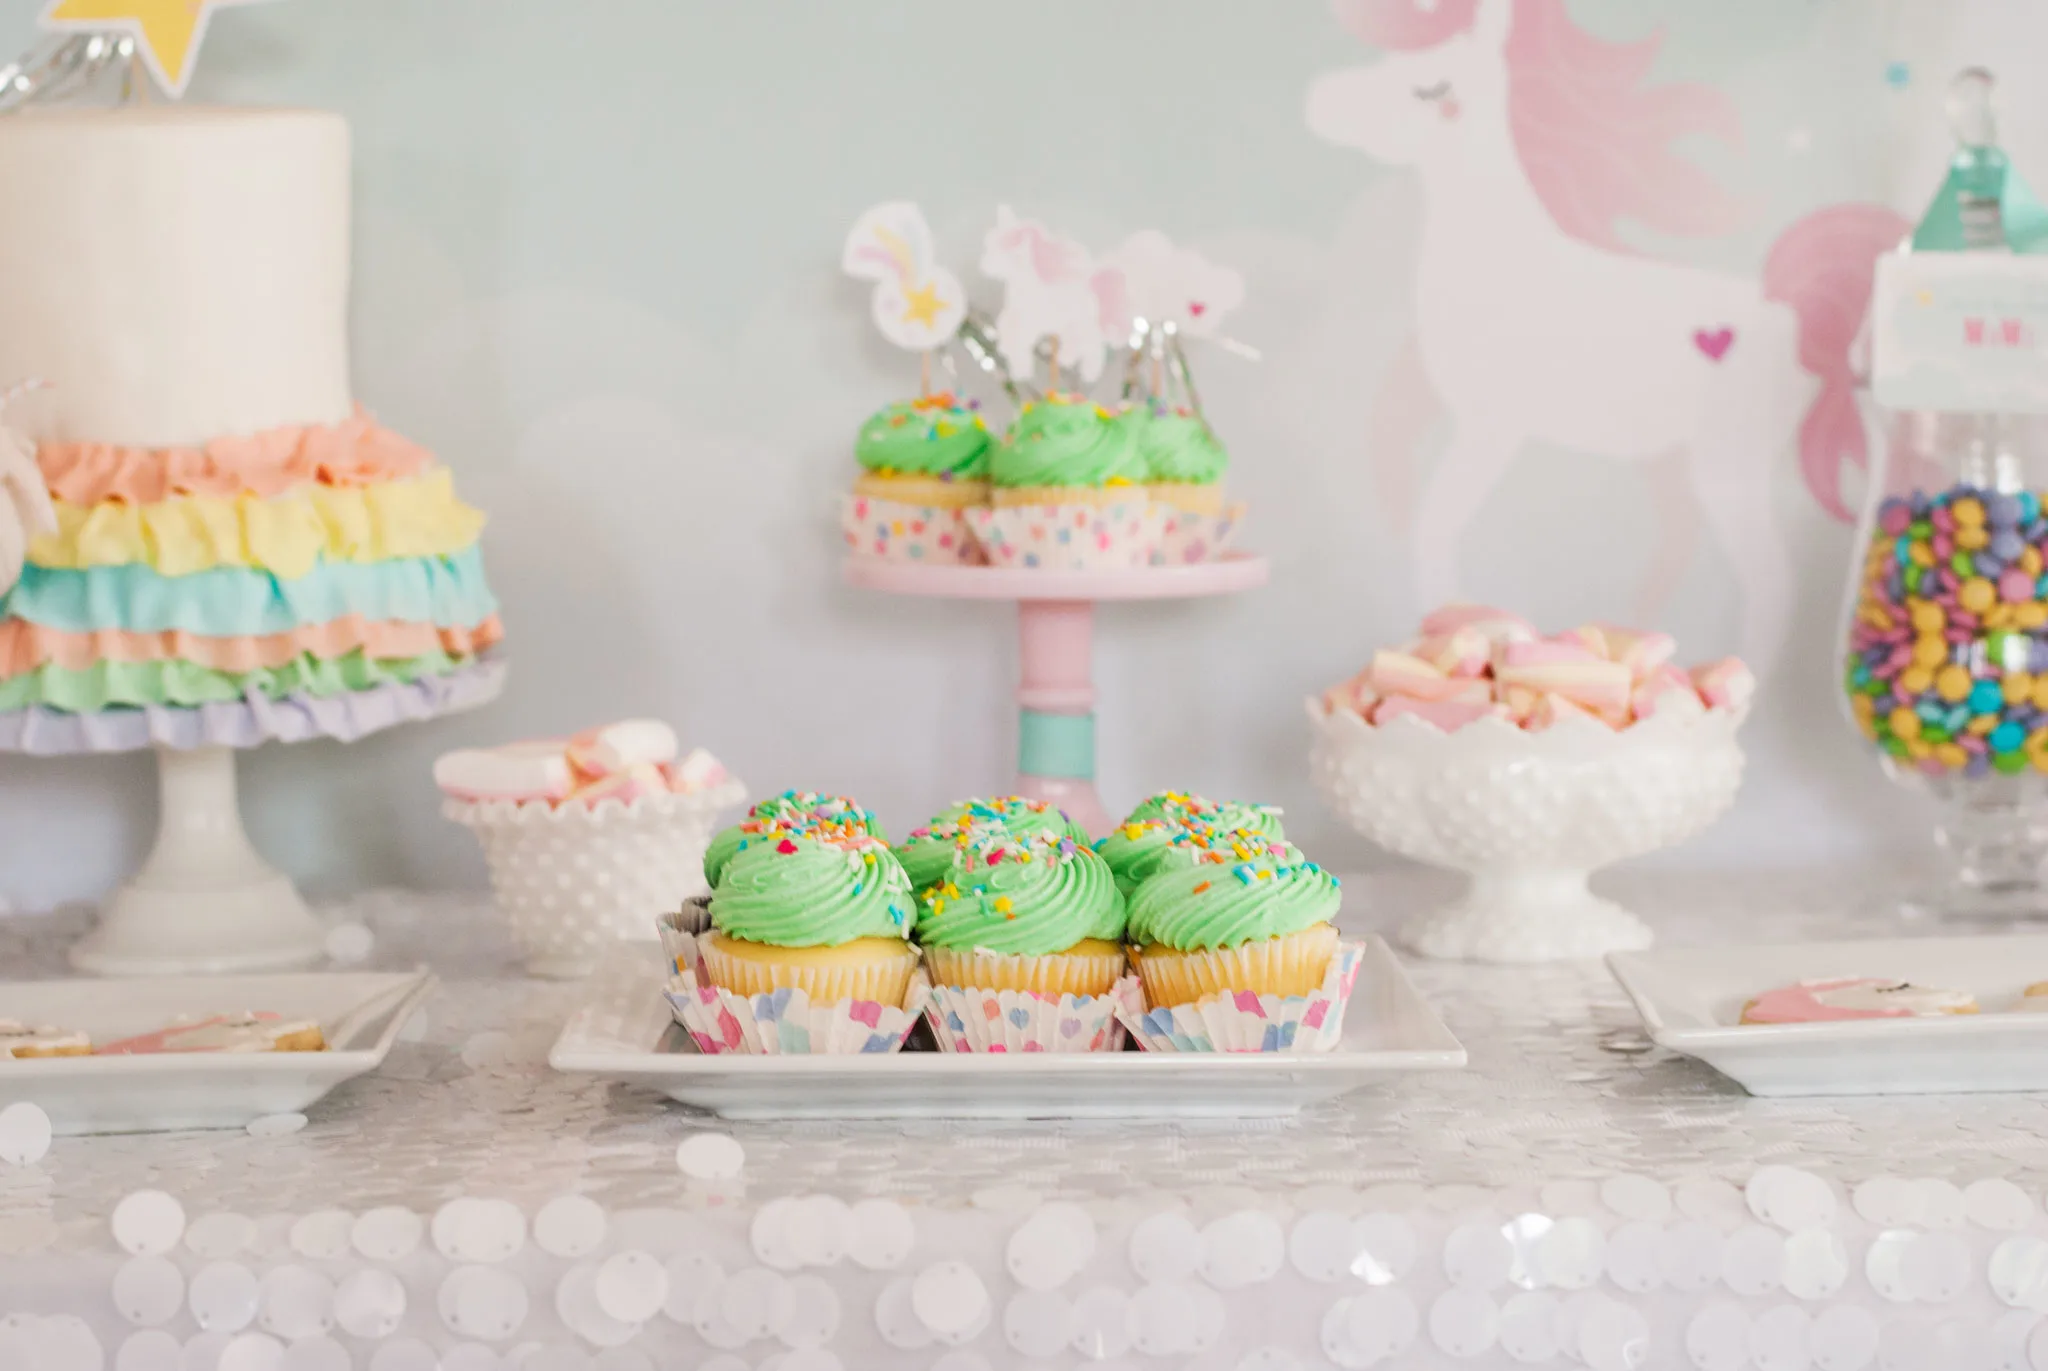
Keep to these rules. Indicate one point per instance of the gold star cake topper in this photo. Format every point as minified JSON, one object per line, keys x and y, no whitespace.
{"x":167,"y":33}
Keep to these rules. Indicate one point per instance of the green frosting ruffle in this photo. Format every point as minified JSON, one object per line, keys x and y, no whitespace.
{"x":1067,"y":441}
{"x":1022,"y":896}
{"x":929,"y":437}
{"x":790,"y":809}
{"x":1135,"y":851}
{"x":790,"y":890}
{"x":1175,"y":807}
{"x":171,"y":681}
{"x":1274,"y":892}
{"x":1179,"y":446}
{"x":928,"y":851}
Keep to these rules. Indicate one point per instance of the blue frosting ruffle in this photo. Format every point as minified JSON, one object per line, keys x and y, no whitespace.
{"x":448,"y":592}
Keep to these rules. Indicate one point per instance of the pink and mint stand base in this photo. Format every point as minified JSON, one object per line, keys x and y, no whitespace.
{"x":1055,"y":629}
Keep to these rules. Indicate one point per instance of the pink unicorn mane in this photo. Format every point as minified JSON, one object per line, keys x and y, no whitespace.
{"x":1595,"y":142}
{"x":1052,"y":260}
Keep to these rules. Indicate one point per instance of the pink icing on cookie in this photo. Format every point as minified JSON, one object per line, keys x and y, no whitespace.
{"x":257,"y":1032}
{"x":1854,"y":997}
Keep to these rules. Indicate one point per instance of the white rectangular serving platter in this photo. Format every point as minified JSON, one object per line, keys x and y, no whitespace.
{"x":1691,"y":999}
{"x":359,"y":1012}
{"x":626,"y":1033}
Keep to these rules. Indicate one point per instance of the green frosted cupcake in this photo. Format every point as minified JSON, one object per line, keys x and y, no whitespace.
{"x":1015,"y":912}
{"x":1176,"y":807}
{"x":1066,"y":449}
{"x":1253,"y":915}
{"x":928,"y":451}
{"x":928,"y":851}
{"x":827,"y":911}
{"x":791,"y":809}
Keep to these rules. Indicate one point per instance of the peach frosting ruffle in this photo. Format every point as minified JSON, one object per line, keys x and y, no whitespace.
{"x":354,"y":452}
{"x":26,"y":647}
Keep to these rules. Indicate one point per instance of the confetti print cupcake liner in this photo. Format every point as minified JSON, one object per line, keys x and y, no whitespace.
{"x":1185,"y":537}
{"x":679,"y":929}
{"x":787,"y":1022}
{"x":1069,"y":537}
{"x":1244,"y":1022}
{"x":897,"y":532}
{"x":1024,"y":1021}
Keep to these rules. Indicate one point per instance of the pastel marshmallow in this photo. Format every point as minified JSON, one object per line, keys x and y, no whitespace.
{"x":621,"y":746}
{"x":1569,"y":670}
{"x":1589,"y":636}
{"x":1356,"y":695}
{"x":1448,"y":715}
{"x":1726,"y":684}
{"x":634,"y":784}
{"x":1641,"y":652}
{"x":1465,"y":653}
{"x":1553,"y":709}
{"x":698,"y":771}
{"x":516,"y":771}
{"x":1495,"y":625}
{"x":1661,"y":695}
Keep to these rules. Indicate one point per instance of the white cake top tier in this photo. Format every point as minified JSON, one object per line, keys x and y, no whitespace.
{"x":174,"y":273}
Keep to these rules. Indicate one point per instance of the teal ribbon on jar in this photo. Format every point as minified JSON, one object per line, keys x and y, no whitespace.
{"x":1984,"y":204}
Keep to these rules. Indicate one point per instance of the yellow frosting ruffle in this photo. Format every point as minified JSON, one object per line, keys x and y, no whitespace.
{"x":285,"y":535}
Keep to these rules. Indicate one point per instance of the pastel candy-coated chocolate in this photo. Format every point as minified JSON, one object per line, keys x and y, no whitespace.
{"x":1950,"y":633}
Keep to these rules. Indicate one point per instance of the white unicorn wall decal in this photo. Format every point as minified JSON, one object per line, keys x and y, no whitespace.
{"x":1534,"y":323}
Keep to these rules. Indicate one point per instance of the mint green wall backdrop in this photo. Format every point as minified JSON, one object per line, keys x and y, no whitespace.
{"x":597,"y":270}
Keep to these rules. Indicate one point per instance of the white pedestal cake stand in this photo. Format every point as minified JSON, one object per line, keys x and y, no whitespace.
{"x":205,"y":902}
{"x":1055,"y":629}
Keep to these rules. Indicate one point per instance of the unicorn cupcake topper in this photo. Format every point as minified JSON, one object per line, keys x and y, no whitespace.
{"x":1053,"y":292}
{"x":1166,"y":293}
{"x":918,"y":304}
{"x":25,"y":508}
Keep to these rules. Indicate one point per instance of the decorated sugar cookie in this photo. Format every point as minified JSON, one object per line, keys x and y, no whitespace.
{"x":19,"y":1042}
{"x":1859,"y":997}
{"x":260,"y":1031}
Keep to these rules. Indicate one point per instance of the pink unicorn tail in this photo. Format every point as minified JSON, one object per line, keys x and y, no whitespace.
{"x":1822,"y":267}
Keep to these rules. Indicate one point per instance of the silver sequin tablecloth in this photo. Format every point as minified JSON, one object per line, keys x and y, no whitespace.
{"x":1568,"y":1199}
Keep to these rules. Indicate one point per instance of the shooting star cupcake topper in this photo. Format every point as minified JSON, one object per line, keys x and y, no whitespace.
{"x":918,"y":304}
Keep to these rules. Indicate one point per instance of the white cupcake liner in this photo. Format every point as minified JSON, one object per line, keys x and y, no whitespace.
{"x":1185,"y":537}
{"x":898,"y":531}
{"x":973,"y":1020}
{"x":1244,"y":1022}
{"x":574,"y":878}
{"x":786,"y":1022}
{"x":678,"y":929}
{"x":1069,"y":537}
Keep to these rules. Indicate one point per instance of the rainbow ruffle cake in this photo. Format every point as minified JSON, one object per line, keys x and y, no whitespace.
{"x":238,"y":553}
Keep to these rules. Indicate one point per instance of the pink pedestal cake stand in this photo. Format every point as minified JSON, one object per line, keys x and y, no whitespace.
{"x":1055,"y":623}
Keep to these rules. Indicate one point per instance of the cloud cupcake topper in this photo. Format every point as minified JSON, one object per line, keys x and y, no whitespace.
{"x":1164,"y":284}
{"x":917,"y":304}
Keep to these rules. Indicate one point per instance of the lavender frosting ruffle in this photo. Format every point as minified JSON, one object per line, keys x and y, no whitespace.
{"x":247,"y":723}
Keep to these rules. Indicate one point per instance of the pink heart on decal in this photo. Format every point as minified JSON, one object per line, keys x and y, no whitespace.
{"x":1197,"y":308}
{"x":1714,"y":343}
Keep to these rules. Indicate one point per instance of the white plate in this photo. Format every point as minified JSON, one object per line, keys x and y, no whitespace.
{"x":1691,"y":1001}
{"x":359,"y":1012}
{"x":626,"y":1033}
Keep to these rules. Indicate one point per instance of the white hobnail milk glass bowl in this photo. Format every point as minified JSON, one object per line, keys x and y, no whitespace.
{"x":574,"y":879}
{"x":1528,"y":816}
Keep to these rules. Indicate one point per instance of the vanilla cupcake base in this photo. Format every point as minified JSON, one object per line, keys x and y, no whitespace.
{"x":1186,"y":536}
{"x":1012,"y":1021}
{"x":1243,"y":1022}
{"x":898,"y":531}
{"x":1090,"y":967}
{"x":791,"y":1022}
{"x":877,"y":969}
{"x":1293,"y":964}
{"x":1071,"y":535}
